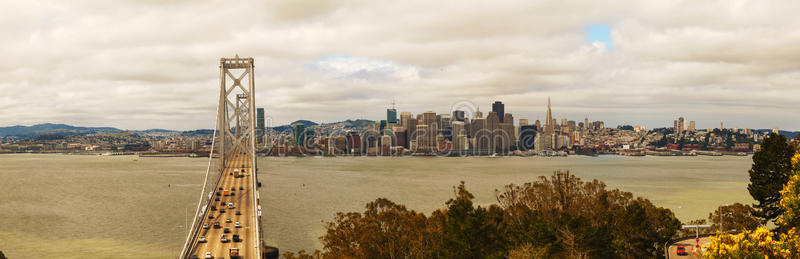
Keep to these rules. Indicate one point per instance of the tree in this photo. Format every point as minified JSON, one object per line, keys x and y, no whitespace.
{"x":770,"y":171}
{"x":736,"y":216}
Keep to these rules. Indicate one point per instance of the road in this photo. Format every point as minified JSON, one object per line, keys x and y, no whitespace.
{"x":689,"y":244}
{"x":242,"y":200}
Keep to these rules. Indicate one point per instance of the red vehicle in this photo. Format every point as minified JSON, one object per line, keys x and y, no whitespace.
{"x":682,"y":251}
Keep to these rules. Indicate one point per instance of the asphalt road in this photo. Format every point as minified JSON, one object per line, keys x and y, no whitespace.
{"x":690,"y":245}
{"x":243,"y":201}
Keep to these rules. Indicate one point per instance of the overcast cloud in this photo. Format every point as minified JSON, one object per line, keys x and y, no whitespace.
{"x":142,"y":64}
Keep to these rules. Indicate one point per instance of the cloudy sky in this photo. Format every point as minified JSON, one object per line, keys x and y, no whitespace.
{"x":142,"y":64}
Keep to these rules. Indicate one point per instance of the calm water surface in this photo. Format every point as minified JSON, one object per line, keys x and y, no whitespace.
{"x":107,"y":206}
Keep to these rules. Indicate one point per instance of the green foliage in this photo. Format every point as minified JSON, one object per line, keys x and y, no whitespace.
{"x":770,"y":171}
{"x":736,"y":216}
{"x":560,"y":217}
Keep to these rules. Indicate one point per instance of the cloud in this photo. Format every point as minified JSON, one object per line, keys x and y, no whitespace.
{"x":149,"y":64}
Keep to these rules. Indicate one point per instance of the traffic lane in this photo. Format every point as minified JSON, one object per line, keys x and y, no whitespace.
{"x":213,"y":235}
{"x":690,"y":245}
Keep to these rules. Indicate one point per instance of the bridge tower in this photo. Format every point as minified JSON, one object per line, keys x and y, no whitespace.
{"x":232,"y":181}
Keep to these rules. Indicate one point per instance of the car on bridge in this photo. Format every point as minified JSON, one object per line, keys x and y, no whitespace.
{"x":237,"y":225}
{"x":209,"y":255}
{"x":224,"y":238}
{"x":241,"y":188}
{"x":238,"y":212}
{"x":202,"y":239}
{"x":236,"y":238}
{"x":230,"y":205}
{"x":216,"y":225}
{"x":205,"y":226}
{"x":682,"y":251}
{"x":226,"y":230}
{"x":211,"y":216}
{"x":228,"y":220}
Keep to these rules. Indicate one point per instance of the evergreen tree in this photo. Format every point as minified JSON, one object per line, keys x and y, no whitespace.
{"x":771,"y":169}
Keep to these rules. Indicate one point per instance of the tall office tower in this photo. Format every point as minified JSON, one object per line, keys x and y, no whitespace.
{"x":404,"y":117}
{"x":571,"y":125}
{"x":499,"y":108}
{"x":444,"y":120}
{"x":586,"y":122}
{"x":457,"y":132}
{"x":423,"y":141}
{"x":458,"y":115}
{"x":260,"y":127}
{"x":478,"y":113}
{"x":260,"y":119}
{"x":581,"y":125}
{"x":548,"y":123}
{"x":299,"y":134}
{"x":681,"y":125}
{"x":527,"y":137}
{"x":675,"y":126}
{"x":507,"y":118}
{"x":429,"y":119}
{"x":720,"y":126}
{"x":691,"y":126}
{"x":411,"y":130}
{"x":563,"y":121}
{"x":493,"y":126}
{"x":538,"y":126}
{"x":391,"y":115}
{"x":523,"y":122}
{"x":480,"y":134}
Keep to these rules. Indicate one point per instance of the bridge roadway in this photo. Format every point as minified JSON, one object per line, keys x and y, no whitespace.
{"x":243,"y":201}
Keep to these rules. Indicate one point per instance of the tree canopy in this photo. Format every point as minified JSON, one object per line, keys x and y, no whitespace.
{"x":771,"y":169}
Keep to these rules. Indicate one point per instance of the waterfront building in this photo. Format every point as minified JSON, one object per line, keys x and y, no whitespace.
{"x":493,"y":127}
{"x":423,"y":142}
{"x":432,"y":130}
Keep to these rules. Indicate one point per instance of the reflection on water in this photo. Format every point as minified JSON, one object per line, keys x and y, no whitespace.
{"x":107,"y":206}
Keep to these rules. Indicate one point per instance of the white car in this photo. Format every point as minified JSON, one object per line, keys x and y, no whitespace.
{"x":237,"y":225}
{"x":209,"y":256}
{"x":230,"y":205}
{"x":205,"y":226}
{"x":202,"y":239}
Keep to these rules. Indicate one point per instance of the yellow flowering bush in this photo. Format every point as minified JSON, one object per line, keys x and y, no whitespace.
{"x":761,"y":243}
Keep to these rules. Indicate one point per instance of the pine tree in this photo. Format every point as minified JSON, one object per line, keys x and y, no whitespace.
{"x":772,"y":167}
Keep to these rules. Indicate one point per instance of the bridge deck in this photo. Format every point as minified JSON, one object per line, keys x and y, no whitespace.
{"x":243,"y":201}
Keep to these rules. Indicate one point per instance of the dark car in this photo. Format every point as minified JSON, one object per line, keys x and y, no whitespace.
{"x":213,"y":208}
{"x":232,"y":193}
{"x":233,"y":188}
{"x":218,"y":194}
{"x":194,"y":257}
{"x":241,"y":187}
{"x":682,"y":251}
{"x":238,"y":212}
{"x":216,"y":225}
{"x":236,"y":238}
{"x":210,"y":216}
{"x":221,"y":210}
{"x":226,"y":230}
{"x":220,"y":188}
{"x":216,"y":199}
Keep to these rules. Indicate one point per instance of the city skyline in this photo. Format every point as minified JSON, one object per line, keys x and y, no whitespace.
{"x":147,"y":64}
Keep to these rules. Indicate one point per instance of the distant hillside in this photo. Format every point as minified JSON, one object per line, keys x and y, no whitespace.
{"x":54,"y":129}
{"x":204,"y":132}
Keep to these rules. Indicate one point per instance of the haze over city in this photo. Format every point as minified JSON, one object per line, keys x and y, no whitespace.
{"x":148,"y":64}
